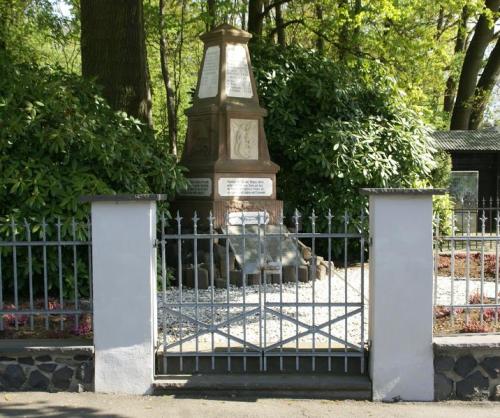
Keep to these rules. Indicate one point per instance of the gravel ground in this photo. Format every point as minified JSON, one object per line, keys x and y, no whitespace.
{"x":460,"y":297}
{"x":267,"y":329}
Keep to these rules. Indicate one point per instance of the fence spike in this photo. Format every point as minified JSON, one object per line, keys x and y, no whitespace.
{"x":211,"y":221}
{"x":195,"y":221}
{"x":296,"y":216}
{"x":313,"y":219}
{"x":483,"y":222}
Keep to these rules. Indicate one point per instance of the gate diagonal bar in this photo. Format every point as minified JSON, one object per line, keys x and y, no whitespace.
{"x":255,"y":297}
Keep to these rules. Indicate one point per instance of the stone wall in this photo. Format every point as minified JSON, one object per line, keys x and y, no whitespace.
{"x":56,"y":365}
{"x":467,"y":367}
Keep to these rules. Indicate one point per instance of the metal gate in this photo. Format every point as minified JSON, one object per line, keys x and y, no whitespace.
{"x":254,"y":297}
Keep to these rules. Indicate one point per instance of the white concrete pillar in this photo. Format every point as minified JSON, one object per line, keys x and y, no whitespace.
{"x":124,"y":290}
{"x":400,"y":313}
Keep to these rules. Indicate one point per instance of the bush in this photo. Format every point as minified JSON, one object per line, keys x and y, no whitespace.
{"x":59,"y":140}
{"x":335,"y":128}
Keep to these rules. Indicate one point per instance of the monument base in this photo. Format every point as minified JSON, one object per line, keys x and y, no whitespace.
{"x":219,"y":208}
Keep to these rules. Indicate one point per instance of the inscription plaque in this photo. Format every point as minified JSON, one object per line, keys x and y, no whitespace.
{"x":237,"y":76}
{"x":245,"y":186}
{"x":209,"y":83}
{"x":244,"y":139}
{"x":198,"y":187}
{"x":250,"y":218}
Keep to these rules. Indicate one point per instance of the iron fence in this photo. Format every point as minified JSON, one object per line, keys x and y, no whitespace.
{"x":45,"y":278}
{"x":258,"y":297}
{"x":466,"y":271}
{"x":468,"y":214}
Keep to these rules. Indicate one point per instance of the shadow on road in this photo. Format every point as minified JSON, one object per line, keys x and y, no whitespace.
{"x":44,"y":409}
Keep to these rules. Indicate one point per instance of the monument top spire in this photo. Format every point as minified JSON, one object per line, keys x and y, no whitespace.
{"x":226,"y":149}
{"x":226,"y":74}
{"x":228,"y":31}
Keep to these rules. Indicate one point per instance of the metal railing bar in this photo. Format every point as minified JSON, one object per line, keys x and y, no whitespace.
{"x":45,"y":273}
{"x":1,"y":289}
{"x":49,"y":312}
{"x":14,"y":268}
{"x":75,"y":270}
{"x":30,"y":272}
{"x":69,"y":243}
{"x":212,"y":284}
{"x":243,"y":278}
{"x":164,"y":285}
{"x":216,"y":304}
{"x":179,"y":275}
{"x":313,"y":274}
{"x":329,"y":218}
{"x":297,"y":235}
{"x":196,"y":284}
{"x":60,"y":269}
{"x":362,"y":290}
{"x":271,"y":304}
{"x":346,"y":221}
{"x":228,"y":273}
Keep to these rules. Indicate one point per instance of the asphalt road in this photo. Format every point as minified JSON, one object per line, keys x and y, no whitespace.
{"x":37,"y":404}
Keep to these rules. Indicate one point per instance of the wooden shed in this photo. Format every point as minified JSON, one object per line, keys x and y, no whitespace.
{"x":474,"y":152}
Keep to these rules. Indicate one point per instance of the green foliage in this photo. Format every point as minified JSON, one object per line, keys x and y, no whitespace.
{"x":59,"y":140}
{"x":334,"y":129}
{"x":441,"y":174}
{"x":37,"y":30}
{"x":442,"y":205}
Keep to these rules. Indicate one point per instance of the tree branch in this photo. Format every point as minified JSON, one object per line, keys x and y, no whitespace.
{"x":284,"y":25}
{"x":271,"y":6}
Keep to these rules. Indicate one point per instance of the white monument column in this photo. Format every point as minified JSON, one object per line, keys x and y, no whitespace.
{"x":124,"y":291}
{"x":400,"y":303}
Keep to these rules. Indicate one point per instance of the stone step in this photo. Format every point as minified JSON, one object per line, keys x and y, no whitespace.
{"x":266,"y":385}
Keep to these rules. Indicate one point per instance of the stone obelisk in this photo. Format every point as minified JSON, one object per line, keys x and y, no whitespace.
{"x":226,"y":151}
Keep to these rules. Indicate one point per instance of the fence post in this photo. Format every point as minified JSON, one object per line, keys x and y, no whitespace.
{"x":400,"y":302}
{"x":124,"y":288}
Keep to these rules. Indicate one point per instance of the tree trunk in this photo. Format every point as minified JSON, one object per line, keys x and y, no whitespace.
{"x":451,"y":83}
{"x":485,"y":86}
{"x":471,"y":67}
{"x":3,"y":25}
{"x":114,"y":53}
{"x":357,"y":28}
{"x":280,"y":26}
{"x":440,"y":21}
{"x":344,"y":31}
{"x":211,"y":14}
{"x":171,"y":107}
{"x":244,"y":16}
{"x":320,"y":42}
{"x":255,"y":17}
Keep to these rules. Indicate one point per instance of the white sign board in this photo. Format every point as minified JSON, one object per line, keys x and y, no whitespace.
{"x":237,"y":75}
{"x":245,"y":186}
{"x":209,"y":83}
{"x":198,"y":187}
{"x":244,"y":139}
{"x":250,"y":218}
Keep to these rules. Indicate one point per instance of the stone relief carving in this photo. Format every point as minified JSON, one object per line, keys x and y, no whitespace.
{"x":244,"y":139}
